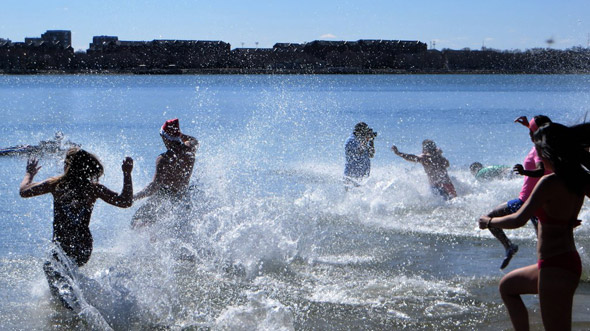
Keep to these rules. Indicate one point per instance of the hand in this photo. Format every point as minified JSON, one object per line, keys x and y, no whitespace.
{"x":394,"y":149}
{"x":519,"y":169}
{"x":483,"y":222}
{"x":127,"y":165}
{"x":32,"y":166}
{"x":522,"y":120}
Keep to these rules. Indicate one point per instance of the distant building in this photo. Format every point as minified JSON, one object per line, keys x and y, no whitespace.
{"x":62,"y":38}
{"x":56,"y":38}
{"x":99,"y":42}
{"x":33,"y":41}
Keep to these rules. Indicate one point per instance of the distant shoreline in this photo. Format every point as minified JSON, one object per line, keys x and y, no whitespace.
{"x":52,"y":54}
{"x":327,"y":71}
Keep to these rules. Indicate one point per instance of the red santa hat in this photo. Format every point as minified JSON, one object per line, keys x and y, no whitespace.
{"x":171,"y":130}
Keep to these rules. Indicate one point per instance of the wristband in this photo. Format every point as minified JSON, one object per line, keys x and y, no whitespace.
{"x":490,"y":221}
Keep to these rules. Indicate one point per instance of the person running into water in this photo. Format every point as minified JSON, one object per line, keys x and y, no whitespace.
{"x":359,"y":148}
{"x":533,"y":169}
{"x":556,"y":200}
{"x":172,"y":177}
{"x":435,"y":165}
{"x":74,"y":194}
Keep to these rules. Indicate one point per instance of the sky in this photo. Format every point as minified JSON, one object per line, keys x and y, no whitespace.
{"x":497,"y":24}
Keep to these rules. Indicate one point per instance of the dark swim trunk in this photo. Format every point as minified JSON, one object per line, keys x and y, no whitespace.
{"x":447,"y":191}
{"x":515,"y":204}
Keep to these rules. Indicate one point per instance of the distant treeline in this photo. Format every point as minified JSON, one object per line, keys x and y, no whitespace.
{"x":109,"y":55}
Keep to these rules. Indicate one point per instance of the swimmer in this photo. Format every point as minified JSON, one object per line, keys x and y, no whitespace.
{"x":172,"y":177}
{"x":74,"y":194}
{"x":490,"y":172}
{"x":435,"y":165}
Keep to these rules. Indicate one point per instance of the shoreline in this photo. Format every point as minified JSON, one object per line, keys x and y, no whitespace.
{"x":326,"y":71}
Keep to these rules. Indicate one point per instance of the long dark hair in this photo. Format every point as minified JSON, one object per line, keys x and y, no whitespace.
{"x":80,"y":167}
{"x":570,"y":161}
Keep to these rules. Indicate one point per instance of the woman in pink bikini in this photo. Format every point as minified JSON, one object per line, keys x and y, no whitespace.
{"x":556,"y":201}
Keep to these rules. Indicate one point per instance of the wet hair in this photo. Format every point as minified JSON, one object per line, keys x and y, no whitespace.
{"x":475,"y":167}
{"x":80,"y":167}
{"x":541,"y":120}
{"x":429,"y":146}
{"x":569,"y":160}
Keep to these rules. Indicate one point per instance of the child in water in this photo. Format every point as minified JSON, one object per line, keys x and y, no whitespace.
{"x":74,"y":194}
{"x":435,"y":165}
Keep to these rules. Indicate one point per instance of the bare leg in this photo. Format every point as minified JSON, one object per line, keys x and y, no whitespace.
{"x":556,"y":294}
{"x":501,"y":210}
{"x":515,"y":283}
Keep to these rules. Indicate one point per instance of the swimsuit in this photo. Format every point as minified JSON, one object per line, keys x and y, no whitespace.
{"x":73,"y":234}
{"x":568,"y":260}
{"x":446,"y":190}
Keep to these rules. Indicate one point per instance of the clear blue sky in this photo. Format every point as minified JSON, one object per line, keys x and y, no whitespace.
{"x":500,"y":24}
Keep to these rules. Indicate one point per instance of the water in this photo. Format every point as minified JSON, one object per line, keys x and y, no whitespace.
{"x":273,"y":241}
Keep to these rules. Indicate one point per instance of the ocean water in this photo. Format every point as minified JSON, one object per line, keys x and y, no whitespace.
{"x":273,"y":241}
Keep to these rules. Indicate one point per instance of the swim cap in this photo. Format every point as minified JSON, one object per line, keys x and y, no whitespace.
{"x":171,"y":130}
{"x":533,"y":126}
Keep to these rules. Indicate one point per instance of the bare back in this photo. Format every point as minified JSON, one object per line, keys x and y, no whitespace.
{"x":174,"y":170}
{"x":435,"y":167}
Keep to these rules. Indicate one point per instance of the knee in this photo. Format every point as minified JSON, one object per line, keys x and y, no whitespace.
{"x":505,"y":288}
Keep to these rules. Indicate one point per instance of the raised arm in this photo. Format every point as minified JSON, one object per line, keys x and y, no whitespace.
{"x":522,"y":120}
{"x":539,"y":196}
{"x":28,"y":188}
{"x":539,"y":171}
{"x":125,"y":199}
{"x":407,"y":157}
{"x":190,"y":141}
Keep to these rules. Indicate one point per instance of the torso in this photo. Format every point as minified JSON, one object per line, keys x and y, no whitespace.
{"x":72,"y":209}
{"x":435,"y":167}
{"x":556,"y":219}
{"x":176,"y":171}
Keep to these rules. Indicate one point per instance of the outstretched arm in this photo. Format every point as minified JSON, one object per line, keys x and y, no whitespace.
{"x":28,"y":188}
{"x":125,"y":199}
{"x":407,"y":157}
{"x":538,"y":197}
{"x":539,"y":171}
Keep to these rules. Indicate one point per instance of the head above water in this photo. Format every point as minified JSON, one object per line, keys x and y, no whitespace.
{"x":475,"y":167}
{"x":362,"y":129}
{"x":559,"y":147}
{"x":171,"y":130}
{"x":429,"y":147}
{"x":81,"y":165}
{"x":536,"y":122}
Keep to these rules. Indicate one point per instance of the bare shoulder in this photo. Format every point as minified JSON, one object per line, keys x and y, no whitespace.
{"x":552,"y":183}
